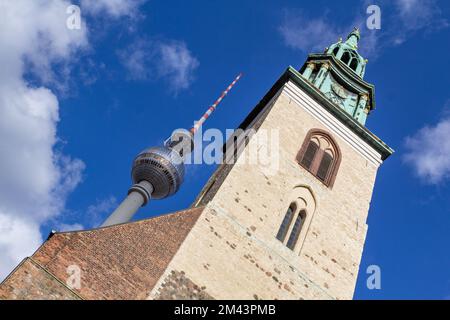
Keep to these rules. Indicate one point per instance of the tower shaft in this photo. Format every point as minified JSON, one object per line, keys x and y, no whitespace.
{"x":138,"y":195}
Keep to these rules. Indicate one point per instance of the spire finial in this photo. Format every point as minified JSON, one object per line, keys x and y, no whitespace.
{"x":353,"y":38}
{"x":355,"y":32}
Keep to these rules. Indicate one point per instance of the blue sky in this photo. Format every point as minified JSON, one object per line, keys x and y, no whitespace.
{"x":80,"y":104}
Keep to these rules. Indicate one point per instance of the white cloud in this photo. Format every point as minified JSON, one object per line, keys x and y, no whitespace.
{"x":18,"y":238}
{"x":177,"y":64}
{"x":63,"y":227}
{"x":137,"y":59}
{"x":400,"y":20}
{"x":35,"y":178}
{"x":429,"y":152}
{"x":96,"y":212}
{"x":315,"y":34}
{"x":418,"y":14}
{"x":307,"y":34}
{"x":412,"y":16}
{"x":114,"y":8}
{"x":170,"y":60}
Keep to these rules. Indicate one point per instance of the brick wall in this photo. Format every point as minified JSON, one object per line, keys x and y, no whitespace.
{"x":117,"y":262}
{"x":177,"y":286}
{"x":30,"y":280}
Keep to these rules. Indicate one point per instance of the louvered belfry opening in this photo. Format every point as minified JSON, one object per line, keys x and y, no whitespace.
{"x":320,"y":155}
{"x":324,"y":167}
{"x":309,"y":155}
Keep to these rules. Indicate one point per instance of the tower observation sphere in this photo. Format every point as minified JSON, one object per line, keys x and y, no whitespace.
{"x":158,"y":172}
{"x":162,"y":167}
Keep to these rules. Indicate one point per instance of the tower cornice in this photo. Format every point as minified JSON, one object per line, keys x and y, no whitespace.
{"x":291,"y":74}
{"x":345,"y":74}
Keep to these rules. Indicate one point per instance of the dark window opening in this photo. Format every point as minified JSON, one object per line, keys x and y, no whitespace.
{"x":354,"y":64}
{"x":335,"y":51}
{"x":346,"y":57}
{"x":296,"y":230}
{"x":320,"y":155}
{"x":309,"y":155}
{"x":281,"y":235}
{"x":324,"y":167}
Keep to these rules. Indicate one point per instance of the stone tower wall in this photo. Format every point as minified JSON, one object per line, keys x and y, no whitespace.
{"x":232,"y":251}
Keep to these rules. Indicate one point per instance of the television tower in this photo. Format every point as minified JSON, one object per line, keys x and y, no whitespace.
{"x":158,"y":172}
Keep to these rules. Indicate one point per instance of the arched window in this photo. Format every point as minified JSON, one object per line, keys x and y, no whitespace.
{"x":291,"y":226}
{"x":295,"y":232}
{"x":345,"y":57}
{"x":281,"y":235}
{"x":320,"y":155}
{"x":296,"y":219}
{"x":354,"y":64}
{"x":350,"y":58}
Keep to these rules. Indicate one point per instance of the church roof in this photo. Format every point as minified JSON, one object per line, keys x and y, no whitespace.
{"x":118,"y":262}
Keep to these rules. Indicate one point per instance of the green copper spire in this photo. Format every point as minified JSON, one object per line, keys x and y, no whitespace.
{"x":347,"y":53}
{"x":338,"y":73}
{"x":353,"y":38}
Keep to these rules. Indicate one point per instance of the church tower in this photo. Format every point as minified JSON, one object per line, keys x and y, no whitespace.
{"x":292,"y":227}
{"x":297,"y":230}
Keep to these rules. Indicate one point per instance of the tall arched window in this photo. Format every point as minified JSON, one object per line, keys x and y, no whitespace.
{"x":298,"y":224}
{"x":320,"y":155}
{"x":354,"y":64}
{"x":345,"y":57}
{"x":291,"y":226}
{"x":295,"y":220}
{"x":350,"y":58}
{"x":281,"y":235}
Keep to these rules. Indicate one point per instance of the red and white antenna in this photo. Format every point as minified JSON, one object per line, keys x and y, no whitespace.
{"x":213,"y":107}
{"x":158,"y":172}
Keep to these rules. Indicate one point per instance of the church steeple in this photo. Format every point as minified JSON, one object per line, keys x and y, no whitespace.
{"x":347,"y":52}
{"x":353,"y":38}
{"x":338,"y":73}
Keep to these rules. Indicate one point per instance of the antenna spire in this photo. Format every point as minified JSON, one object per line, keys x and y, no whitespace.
{"x":213,"y":107}
{"x":158,"y":172}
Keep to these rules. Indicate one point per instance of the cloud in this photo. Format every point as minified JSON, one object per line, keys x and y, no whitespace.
{"x":307,"y":34}
{"x":18,"y":238}
{"x":96,"y":212}
{"x":400,"y":20}
{"x":411,"y":16}
{"x":177,"y":64}
{"x":301,"y":32}
{"x":170,"y":60}
{"x":419,"y":14}
{"x":63,"y":227}
{"x":137,"y":59}
{"x":35,"y":175}
{"x":428,"y":152}
{"x":113,"y":8}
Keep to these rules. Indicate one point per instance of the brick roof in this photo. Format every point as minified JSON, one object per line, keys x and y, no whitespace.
{"x":119,"y":262}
